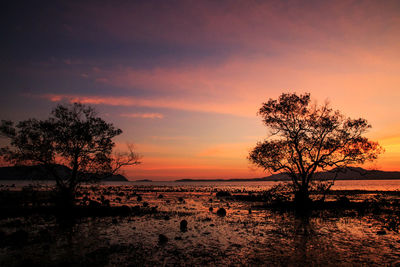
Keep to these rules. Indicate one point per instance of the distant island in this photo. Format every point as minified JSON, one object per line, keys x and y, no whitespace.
{"x":144,"y":180}
{"x":37,"y":173}
{"x":352,"y":173}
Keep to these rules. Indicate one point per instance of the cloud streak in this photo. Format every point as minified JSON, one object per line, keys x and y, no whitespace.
{"x":167,"y":103}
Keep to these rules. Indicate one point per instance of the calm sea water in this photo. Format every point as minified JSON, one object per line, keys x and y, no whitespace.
{"x":384,"y":185}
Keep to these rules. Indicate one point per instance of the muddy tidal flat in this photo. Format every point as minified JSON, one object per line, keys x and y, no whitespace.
{"x":195,"y":226}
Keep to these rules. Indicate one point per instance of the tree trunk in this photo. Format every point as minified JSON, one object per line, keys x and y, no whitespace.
{"x":66,"y":197}
{"x":302,"y":199}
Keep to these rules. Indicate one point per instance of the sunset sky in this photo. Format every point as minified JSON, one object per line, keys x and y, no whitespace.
{"x":185,"y":79}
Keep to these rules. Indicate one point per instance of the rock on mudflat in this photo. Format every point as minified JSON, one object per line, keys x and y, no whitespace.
{"x":162,"y":239}
{"x":221,"y":212}
{"x":381,"y":232}
{"x":183,"y":225}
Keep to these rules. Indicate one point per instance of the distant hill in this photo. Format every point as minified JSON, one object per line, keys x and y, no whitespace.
{"x":351,"y":173}
{"x":36,"y":172}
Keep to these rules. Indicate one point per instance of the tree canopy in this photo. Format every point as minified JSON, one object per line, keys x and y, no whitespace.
{"x":307,"y":138}
{"x":73,"y":136}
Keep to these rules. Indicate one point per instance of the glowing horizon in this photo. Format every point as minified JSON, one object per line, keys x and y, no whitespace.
{"x":184,"y":80}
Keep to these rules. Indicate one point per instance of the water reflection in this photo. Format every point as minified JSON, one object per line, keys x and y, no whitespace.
{"x":303,"y":238}
{"x":254,"y":186}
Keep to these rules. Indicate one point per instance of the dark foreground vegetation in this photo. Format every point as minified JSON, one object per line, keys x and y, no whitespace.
{"x":148,"y":225}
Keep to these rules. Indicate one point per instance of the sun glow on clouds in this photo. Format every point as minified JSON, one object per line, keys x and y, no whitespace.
{"x":227,"y":151}
{"x":191,"y":167}
{"x":192,"y":74}
{"x":193,"y":159}
{"x":389,"y":160}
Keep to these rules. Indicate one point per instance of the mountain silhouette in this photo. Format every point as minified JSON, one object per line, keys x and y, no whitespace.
{"x":350,"y":173}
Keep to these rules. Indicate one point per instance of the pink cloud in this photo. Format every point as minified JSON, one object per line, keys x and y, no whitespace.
{"x":239,"y":85}
{"x":143,"y":115}
{"x":172,"y":138}
{"x":95,"y":100}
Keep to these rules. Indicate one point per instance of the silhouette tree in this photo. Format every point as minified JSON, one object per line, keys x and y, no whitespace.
{"x":307,"y":138}
{"x":73,"y":136}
